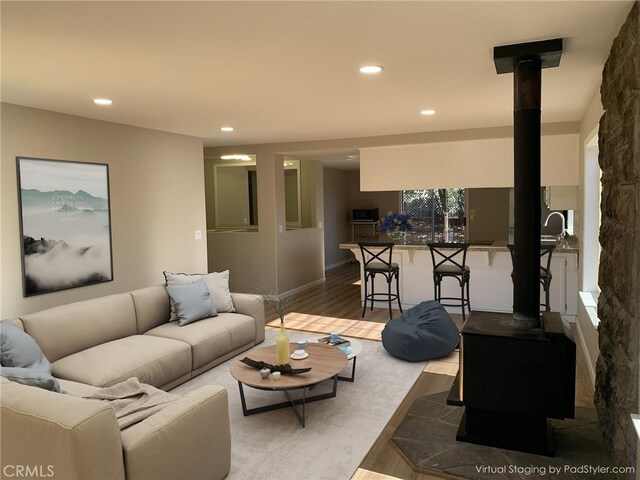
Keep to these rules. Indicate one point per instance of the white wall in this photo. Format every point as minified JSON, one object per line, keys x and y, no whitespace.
{"x":586,"y":218}
{"x":383,"y":201}
{"x":464,"y":164}
{"x":157,"y":199}
{"x":588,"y":204}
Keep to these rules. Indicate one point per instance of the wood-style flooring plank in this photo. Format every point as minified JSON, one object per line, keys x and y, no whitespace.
{"x":338,"y":297}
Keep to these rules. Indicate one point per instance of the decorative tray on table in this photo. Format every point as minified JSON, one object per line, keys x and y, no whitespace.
{"x":341,"y":342}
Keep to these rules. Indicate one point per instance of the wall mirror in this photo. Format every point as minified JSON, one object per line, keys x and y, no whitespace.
{"x":299,"y":193}
{"x":235,"y":192}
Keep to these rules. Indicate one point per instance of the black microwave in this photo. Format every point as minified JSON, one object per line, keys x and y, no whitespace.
{"x":365,"y":215}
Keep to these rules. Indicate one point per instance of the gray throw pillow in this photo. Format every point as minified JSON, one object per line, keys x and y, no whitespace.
{"x":193,"y":302}
{"x":18,"y":349}
{"x":30,"y":377}
{"x":217,"y":284}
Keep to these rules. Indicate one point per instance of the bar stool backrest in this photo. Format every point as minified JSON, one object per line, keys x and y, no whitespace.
{"x":444,"y":258}
{"x":546,"y":251}
{"x":386,"y":249}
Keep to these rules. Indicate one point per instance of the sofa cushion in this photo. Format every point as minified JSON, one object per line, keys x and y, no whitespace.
{"x":212,"y":337}
{"x":18,"y":349}
{"x":68,"y":329}
{"x":152,"y":307}
{"x":30,"y":377}
{"x":192,"y":301}
{"x":77,"y":389}
{"x":156,"y":361}
{"x":217,"y":284}
{"x":78,"y":438}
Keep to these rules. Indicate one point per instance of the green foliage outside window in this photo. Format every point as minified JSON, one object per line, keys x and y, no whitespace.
{"x":437,"y":214}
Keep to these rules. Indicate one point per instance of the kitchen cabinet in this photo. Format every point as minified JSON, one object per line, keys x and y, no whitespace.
{"x":562,"y":197}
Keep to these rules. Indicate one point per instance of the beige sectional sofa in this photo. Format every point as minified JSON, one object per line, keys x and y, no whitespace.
{"x":100,"y":342}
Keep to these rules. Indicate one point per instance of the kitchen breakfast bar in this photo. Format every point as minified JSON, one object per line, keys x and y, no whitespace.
{"x":491,"y":288}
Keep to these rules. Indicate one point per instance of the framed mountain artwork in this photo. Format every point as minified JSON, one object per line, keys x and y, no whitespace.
{"x":65,"y":224}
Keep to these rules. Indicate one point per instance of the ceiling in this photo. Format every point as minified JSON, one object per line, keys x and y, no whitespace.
{"x":288,"y":71}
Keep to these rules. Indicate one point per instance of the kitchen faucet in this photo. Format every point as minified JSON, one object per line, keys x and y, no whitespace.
{"x":563,"y":232}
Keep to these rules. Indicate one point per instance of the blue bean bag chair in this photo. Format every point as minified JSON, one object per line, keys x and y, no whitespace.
{"x":423,"y":332}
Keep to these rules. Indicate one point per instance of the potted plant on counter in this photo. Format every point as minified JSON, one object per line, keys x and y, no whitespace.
{"x":395,"y":225}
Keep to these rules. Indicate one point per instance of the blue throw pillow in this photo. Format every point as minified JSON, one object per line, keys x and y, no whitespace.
{"x":18,"y":349}
{"x":193,"y":302}
{"x":30,"y":377}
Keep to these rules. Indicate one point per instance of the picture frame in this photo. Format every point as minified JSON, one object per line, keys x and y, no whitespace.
{"x":65,"y":224}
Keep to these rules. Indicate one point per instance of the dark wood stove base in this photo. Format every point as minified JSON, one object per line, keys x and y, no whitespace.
{"x":503,"y":430}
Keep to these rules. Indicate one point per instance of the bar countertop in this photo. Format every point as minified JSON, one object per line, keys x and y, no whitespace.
{"x":498,"y":246}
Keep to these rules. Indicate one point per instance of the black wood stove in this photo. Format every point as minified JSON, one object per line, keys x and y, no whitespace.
{"x":518,"y":370}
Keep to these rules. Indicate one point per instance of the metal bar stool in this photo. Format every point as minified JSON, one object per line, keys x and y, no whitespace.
{"x":546,"y":251}
{"x":375,"y":262}
{"x":449,"y":264}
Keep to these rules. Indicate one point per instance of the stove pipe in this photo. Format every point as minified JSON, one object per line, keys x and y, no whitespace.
{"x":527,"y":74}
{"x":526,"y":61}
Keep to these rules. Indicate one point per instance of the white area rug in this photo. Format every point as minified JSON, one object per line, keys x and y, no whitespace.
{"x":339,"y":431}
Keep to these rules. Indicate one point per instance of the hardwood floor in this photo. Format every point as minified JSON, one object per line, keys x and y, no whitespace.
{"x":338,"y":297}
{"x":335,"y":304}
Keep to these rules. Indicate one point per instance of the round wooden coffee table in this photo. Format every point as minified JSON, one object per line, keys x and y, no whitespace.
{"x":325,"y":362}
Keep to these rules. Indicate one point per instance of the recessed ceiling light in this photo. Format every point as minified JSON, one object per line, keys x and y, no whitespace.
{"x":370,"y":69}
{"x":235,"y":156}
{"x":102,"y":101}
{"x":226,"y":129}
{"x":428,"y":112}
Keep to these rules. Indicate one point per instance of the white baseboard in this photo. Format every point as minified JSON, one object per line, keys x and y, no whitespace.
{"x":301,"y":288}
{"x":337,"y":264}
{"x":583,"y":345}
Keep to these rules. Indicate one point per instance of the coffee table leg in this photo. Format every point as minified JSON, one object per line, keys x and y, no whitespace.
{"x":290,"y":401}
{"x":301,"y":418}
{"x":353,"y":372}
{"x":244,"y":402}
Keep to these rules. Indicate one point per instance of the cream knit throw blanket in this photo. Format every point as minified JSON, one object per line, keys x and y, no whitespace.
{"x":133,"y":401}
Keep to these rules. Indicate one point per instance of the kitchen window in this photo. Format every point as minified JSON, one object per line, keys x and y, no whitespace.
{"x":437,"y":215}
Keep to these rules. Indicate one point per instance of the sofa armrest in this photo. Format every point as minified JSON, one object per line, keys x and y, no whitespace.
{"x":251,"y":305}
{"x":189,"y":438}
{"x":64,"y":436}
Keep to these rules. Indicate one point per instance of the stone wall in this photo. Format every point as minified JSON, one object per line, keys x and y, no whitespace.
{"x":619,"y":276}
